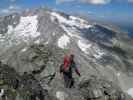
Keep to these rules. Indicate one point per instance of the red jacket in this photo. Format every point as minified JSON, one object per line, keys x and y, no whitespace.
{"x":67,"y":63}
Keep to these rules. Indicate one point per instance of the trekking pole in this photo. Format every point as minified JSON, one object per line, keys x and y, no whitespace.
{"x":52,"y":77}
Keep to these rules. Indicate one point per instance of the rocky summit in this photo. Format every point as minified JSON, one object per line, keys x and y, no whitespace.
{"x":33,"y":44}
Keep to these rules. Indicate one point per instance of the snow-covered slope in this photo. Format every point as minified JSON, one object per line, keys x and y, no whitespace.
{"x":63,"y":41}
{"x":91,"y":43}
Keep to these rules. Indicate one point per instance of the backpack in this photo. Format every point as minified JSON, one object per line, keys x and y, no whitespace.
{"x":62,"y":69}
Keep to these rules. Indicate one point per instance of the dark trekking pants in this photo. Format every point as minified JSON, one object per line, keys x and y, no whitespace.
{"x":68,"y":80}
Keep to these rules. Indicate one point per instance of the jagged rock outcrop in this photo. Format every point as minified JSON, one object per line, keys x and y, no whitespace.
{"x":20,"y":87}
{"x":101,"y":89}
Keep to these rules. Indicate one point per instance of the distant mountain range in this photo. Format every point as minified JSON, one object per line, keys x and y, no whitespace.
{"x":128,"y":28}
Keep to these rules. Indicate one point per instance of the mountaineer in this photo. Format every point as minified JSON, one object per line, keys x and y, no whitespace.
{"x":67,"y":69}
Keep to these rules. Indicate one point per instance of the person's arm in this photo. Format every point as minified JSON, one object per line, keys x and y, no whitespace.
{"x":77,"y":70}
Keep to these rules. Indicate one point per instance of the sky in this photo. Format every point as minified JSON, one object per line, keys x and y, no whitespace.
{"x":117,"y":11}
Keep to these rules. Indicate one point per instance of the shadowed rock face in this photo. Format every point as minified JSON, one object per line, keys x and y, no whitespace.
{"x":36,"y":41}
{"x":18,"y":87}
{"x":8,"y":20}
{"x":100,"y":89}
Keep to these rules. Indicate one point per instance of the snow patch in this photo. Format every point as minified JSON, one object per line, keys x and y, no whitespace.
{"x":14,"y":23}
{"x":63,"y":41}
{"x":90,"y":49}
{"x":61,"y":95}
{"x":24,"y":49}
{"x":118,"y":74}
{"x":67,"y":31}
{"x":84,"y":46}
{"x":71,"y":21}
{"x":13,"y":16}
{"x":54,"y":34}
{"x":10,"y":29}
{"x":37,"y":41}
{"x":27,"y":27}
{"x":1,"y":93}
{"x":46,"y":43}
{"x":130,"y":92}
{"x":70,"y":32}
{"x":98,"y":54}
{"x":25,"y":31}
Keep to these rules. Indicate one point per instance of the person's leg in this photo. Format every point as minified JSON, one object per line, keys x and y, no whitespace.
{"x":66,"y":80}
{"x":64,"y":76}
{"x":33,"y":97}
{"x":71,"y":83}
{"x":71,"y":80}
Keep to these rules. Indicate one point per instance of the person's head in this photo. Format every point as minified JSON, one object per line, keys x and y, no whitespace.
{"x":71,"y":57}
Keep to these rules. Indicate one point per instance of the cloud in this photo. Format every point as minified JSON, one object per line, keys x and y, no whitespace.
{"x":85,"y":1}
{"x":95,"y":1}
{"x":4,"y":11}
{"x":62,"y":1}
{"x":10,"y":9}
{"x":130,"y":1}
{"x":124,"y":1}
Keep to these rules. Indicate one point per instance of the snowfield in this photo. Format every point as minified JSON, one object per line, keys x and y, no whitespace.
{"x":27,"y":27}
{"x":83,"y":46}
{"x":90,"y":49}
{"x":63,"y":41}
{"x":24,"y":31}
{"x":69,"y":26}
{"x":130,"y":92}
{"x":72,"y":21}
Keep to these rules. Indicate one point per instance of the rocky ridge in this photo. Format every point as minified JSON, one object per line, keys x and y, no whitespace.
{"x":34,"y":42}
